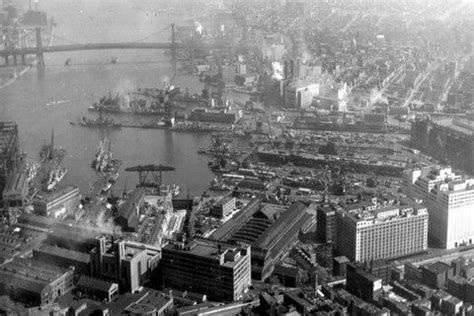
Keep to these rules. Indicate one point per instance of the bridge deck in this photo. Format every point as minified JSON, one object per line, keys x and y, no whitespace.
{"x":90,"y":46}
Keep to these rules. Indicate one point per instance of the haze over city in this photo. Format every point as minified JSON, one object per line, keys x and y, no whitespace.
{"x":236,"y":157}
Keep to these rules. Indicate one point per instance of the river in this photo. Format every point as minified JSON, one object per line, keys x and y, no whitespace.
{"x":40,"y":103}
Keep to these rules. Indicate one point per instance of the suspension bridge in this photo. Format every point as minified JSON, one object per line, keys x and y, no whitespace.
{"x":40,"y":50}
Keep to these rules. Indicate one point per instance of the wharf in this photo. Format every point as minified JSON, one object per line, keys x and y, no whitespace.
{"x":102,"y":180}
{"x":96,"y":188}
{"x":179,"y":128}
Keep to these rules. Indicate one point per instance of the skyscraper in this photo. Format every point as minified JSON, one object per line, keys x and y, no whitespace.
{"x":450,"y":201}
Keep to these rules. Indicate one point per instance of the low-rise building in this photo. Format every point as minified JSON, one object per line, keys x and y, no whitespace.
{"x":63,"y":257}
{"x":271,"y":230}
{"x":34,"y":283}
{"x":57,"y":203}
{"x":437,"y":274}
{"x":97,"y":289}
{"x":223,"y":207}
{"x":362,"y":284}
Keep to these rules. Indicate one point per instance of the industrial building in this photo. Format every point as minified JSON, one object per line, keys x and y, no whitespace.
{"x":370,"y":231}
{"x":58,"y":202}
{"x":446,"y":139}
{"x":223,"y":207}
{"x":9,"y":151}
{"x":450,"y":201}
{"x":362,"y":284}
{"x":127,"y":263}
{"x":129,"y":212}
{"x":34,"y":282}
{"x":270,"y":229}
{"x":63,"y":257}
{"x":215,"y":115}
{"x":299,"y":95}
{"x":16,"y":189}
{"x":220,"y":271}
{"x":98,"y":289}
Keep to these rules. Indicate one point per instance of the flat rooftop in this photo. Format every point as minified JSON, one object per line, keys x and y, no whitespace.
{"x":459,"y":125}
{"x":384,"y":213}
{"x":29,"y":275}
{"x":207,"y":249}
{"x":64,"y":253}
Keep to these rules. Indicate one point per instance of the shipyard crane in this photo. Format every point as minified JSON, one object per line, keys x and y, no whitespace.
{"x":150,"y":175}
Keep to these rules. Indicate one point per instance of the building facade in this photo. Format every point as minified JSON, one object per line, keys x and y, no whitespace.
{"x":127,"y":263}
{"x":450,"y":201}
{"x":33,"y":282}
{"x":326,"y":224}
{"x":219,"y":270}
{"x":381,"y":232}
{"x":223,"y":207}
{"x":54,"y":203}
{"x":446,"y":139}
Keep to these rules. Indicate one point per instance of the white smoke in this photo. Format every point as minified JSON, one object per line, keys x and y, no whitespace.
{"x":199,"y":27}
{"x":166,"y":81}
{"x":107,"y":225}
{"x":124,"y":87}
{"x":277,"y":71}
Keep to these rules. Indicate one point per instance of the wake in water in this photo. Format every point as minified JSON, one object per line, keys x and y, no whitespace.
{"x":57,"y":102}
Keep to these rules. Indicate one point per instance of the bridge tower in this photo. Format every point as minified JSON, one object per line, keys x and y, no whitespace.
{"x":39,"y":49}
{"x":173,"y":49}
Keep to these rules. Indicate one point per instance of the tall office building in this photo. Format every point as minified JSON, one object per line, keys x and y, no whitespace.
{"x":326,"y":224}
{"x":366,"y":233}
{"x":450,"y":201}
{"x":221,"y":271}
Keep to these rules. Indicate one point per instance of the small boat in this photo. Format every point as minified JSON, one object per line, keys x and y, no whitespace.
{"x":113,"y":177}
{"x":106,"y":187}
{"x":55,"y":176}
{"x":175,"y":190}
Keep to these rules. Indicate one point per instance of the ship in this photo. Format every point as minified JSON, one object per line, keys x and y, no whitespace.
{"x":100,"y":122}
{"x":103,"y":160}
{"x":48,"y":173}
{"x":187,"y":98}
{"x":175,"y":190}
{"x":49,"y":153}
{"x":55,"y":176}
{"x":31,"y":170}
{"x":106,"y":187}
{"x":113,"y":177}
{"x":143,"y":101}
